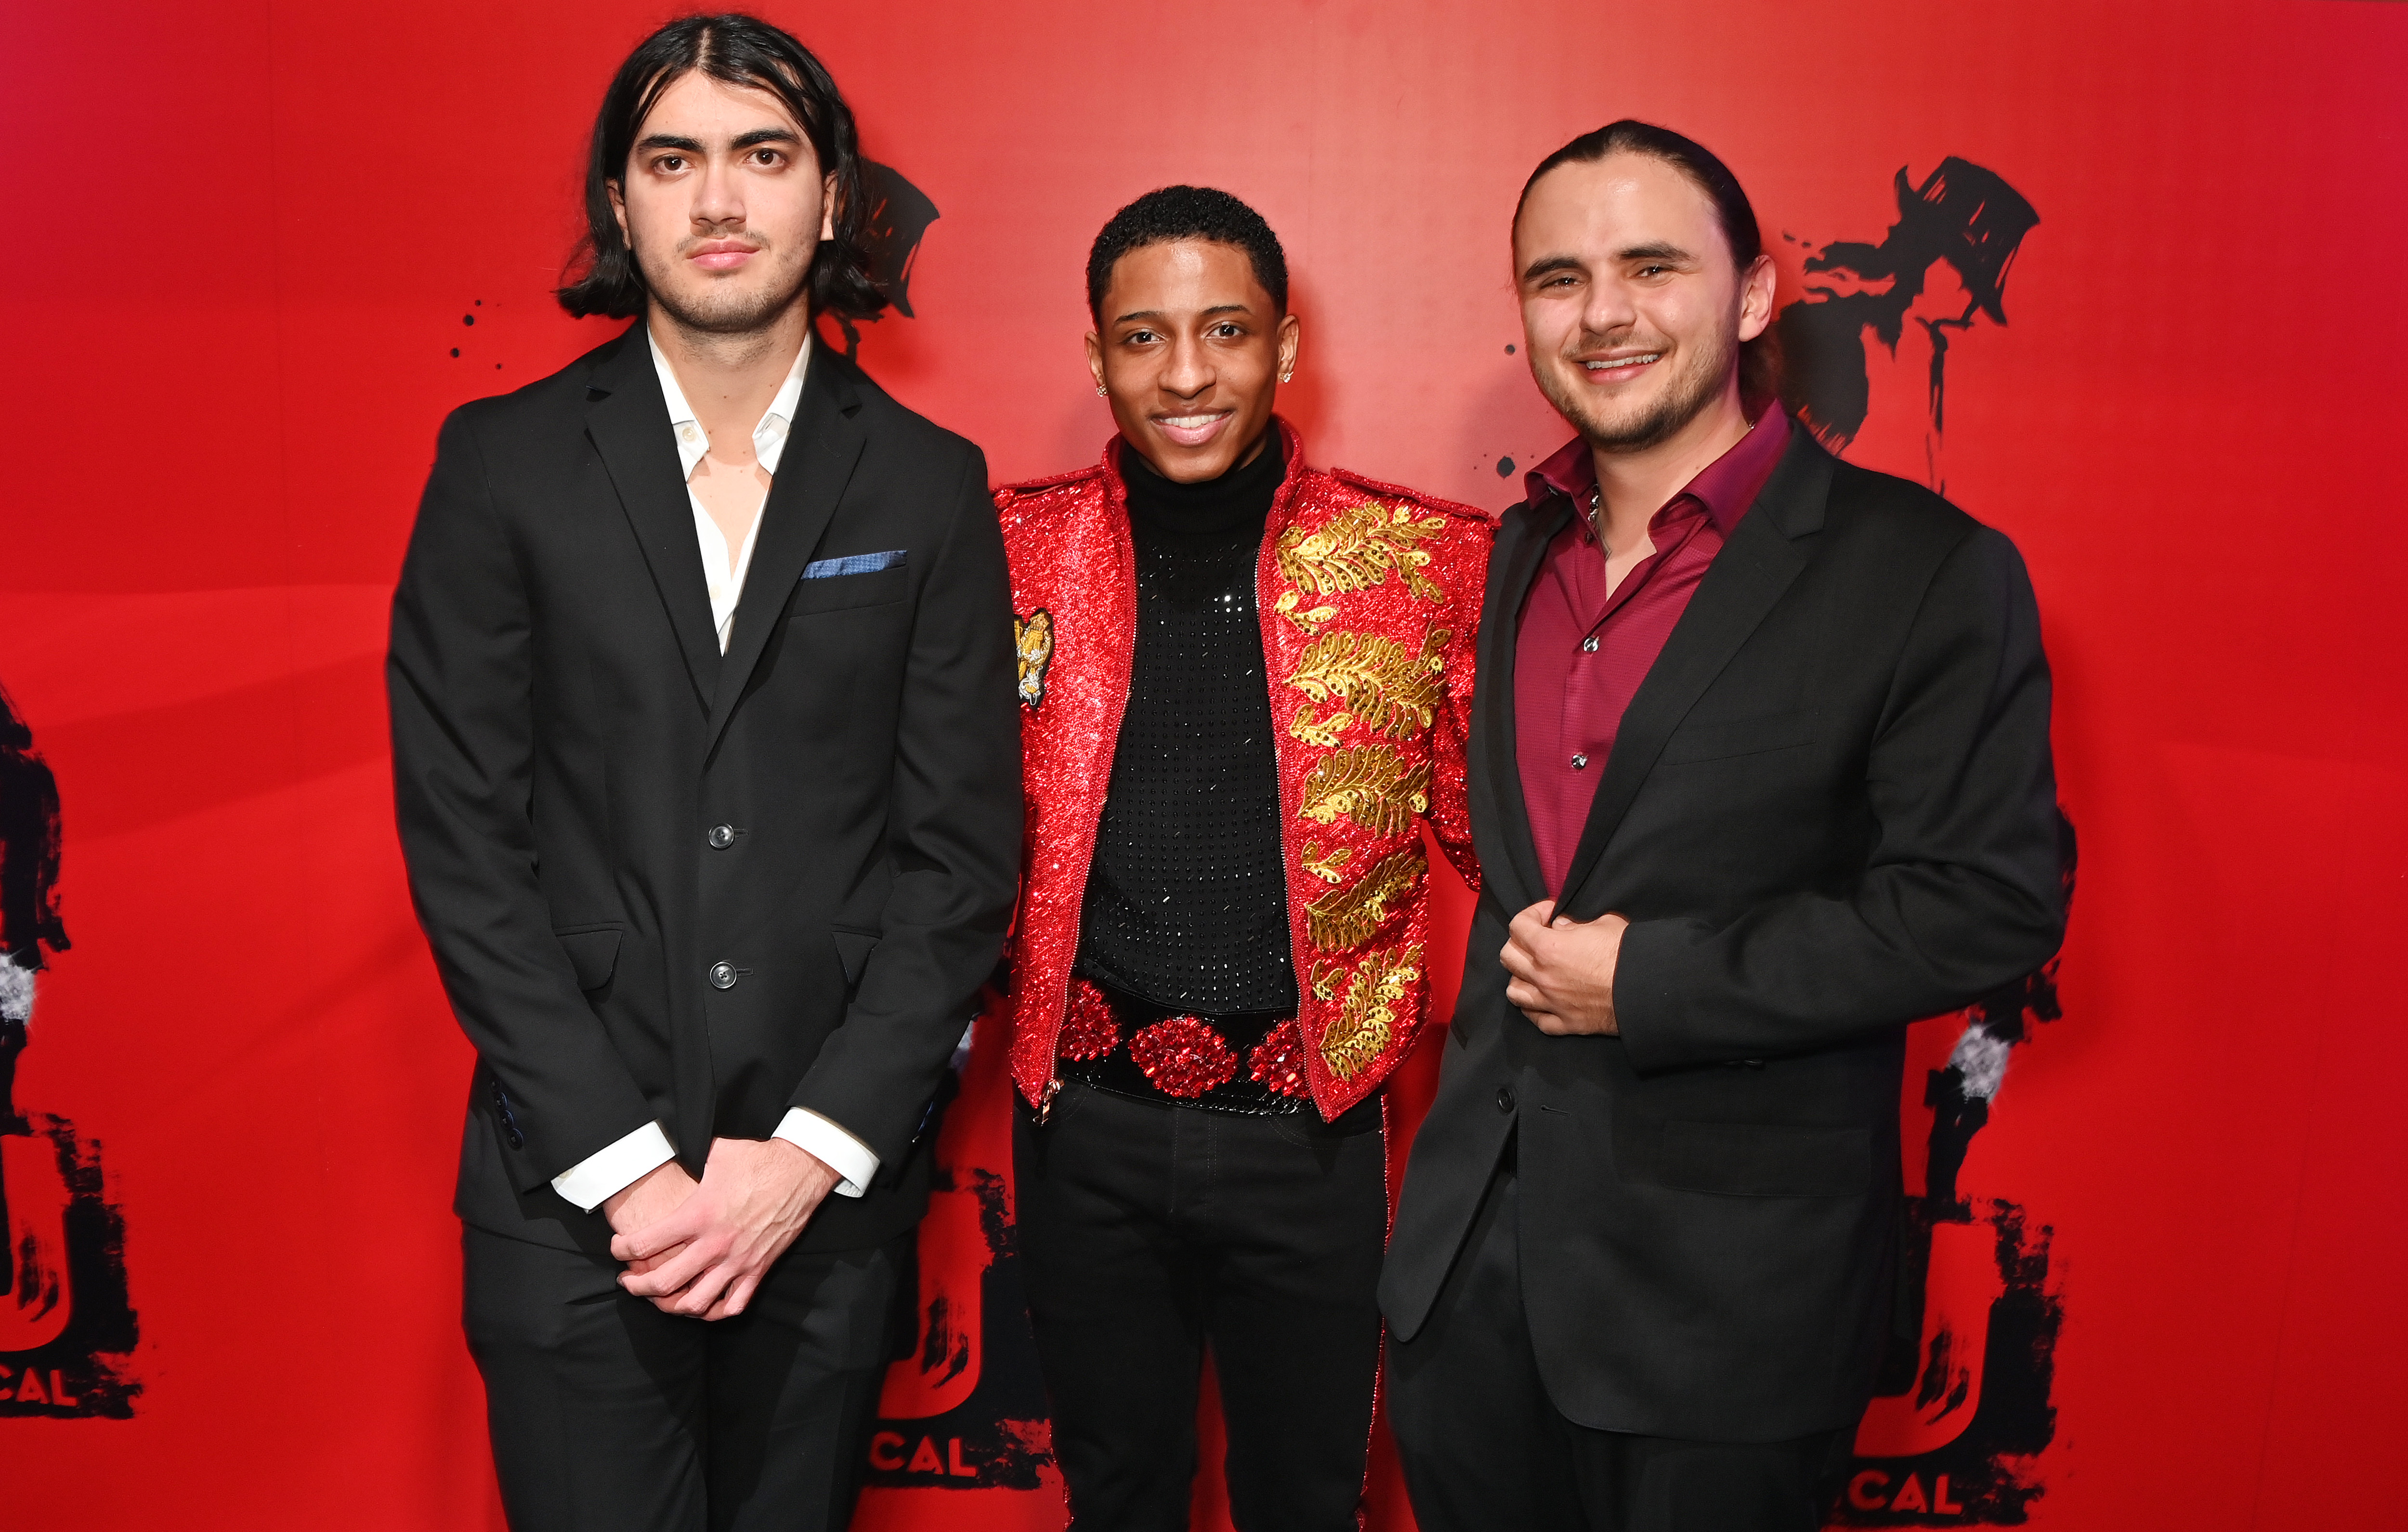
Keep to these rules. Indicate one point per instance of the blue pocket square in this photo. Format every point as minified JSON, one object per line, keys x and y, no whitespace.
{"x":855,"y":563}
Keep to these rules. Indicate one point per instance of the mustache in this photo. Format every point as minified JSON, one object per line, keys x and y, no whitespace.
{"x":1606,"y":340}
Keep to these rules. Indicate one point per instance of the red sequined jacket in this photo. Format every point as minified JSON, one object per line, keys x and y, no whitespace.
{"x":1369,"y":597}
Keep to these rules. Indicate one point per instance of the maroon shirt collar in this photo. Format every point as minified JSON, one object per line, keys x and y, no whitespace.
{"x":1726,"y":487}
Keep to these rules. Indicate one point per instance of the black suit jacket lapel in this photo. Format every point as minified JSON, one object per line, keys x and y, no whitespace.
{"x":1522,"y":546}
{"x":821,"y":446}
{"x":627,"y":419}
{"x":1751,"y":573}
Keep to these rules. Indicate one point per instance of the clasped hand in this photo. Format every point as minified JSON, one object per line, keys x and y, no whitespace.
{"x":1561,"y":971}
{"x":701,"y":1249}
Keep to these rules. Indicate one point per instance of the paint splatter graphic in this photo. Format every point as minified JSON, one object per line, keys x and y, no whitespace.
{"x":66,"y":1326}
{"x":965,"y":1407}
{"x":899,"y":216}
{"x":1962,"y":1409}
{"x":1962,"y":218}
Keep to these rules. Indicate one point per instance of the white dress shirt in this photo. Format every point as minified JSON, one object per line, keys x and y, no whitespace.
{"x":594,"y":1180}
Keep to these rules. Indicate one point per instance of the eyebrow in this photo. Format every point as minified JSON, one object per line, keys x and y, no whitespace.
{"x":742,"y":140}
{"x":1660,"y":251}
{"x":1158,"y":315}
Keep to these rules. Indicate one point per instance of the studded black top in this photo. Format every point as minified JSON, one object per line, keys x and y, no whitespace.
{"x":1186,"y":903}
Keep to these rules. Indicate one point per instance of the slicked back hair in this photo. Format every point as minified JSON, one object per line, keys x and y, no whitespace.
{"x":741,"y":51}
{"x":1186,"y":212}
{"x":1759,"y":360}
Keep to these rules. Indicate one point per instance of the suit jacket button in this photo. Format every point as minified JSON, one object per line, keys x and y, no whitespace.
{"x":723,"y":976}
{"x":722,"y":836}
{"x":1505,"y":1099}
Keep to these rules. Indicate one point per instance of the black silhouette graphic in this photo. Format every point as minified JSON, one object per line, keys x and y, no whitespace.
{"x":899,"y":216}
{"x":964,"y":1408}
{"x":1962,"y":216}
{"x":65,"y":1325}
{"x":1963,"y":1395}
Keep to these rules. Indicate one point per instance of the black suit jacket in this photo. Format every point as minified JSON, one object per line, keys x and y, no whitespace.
{"x":1830,"y":812}
{"x":568,"y":737}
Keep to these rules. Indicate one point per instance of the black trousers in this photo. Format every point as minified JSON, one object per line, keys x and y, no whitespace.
{"x":1150,"y":1232}
{"x":1485,"y":1448}
{"x":608,"y":1414}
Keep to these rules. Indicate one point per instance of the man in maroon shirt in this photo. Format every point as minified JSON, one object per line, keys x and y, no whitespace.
{"x":1759,"y":773}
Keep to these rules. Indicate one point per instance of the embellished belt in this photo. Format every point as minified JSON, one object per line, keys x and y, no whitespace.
{"x":1251,"y":1065}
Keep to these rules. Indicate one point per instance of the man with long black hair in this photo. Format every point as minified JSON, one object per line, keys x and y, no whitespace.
{"x":1245,"y":683}
{"x":1761,"y":774}
{"x":708,"y":782}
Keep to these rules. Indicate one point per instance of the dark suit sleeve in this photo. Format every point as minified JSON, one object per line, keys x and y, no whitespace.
{"x":954,"y":834}
{"x":457,"y":678}
{"x":1960,"y":891}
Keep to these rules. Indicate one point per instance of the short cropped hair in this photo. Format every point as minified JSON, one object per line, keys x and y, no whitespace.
{"x":734,"y":49}
{"x":1186,"y":212}
{"x":1759,"y":362}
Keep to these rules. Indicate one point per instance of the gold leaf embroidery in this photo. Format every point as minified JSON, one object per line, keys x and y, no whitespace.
{"x":1358,"y":549}
{"x":1309,"y":620}
{"x":1369,"y":784}
{"x":1387,"y":686}
{"x":1368,"y":1021}
{"x":1346,"y":918}
{"x":1322,"y":732}
{"x":1034,"y":638}
{"x":1325,"y":980}
{"x":1329,"y":868}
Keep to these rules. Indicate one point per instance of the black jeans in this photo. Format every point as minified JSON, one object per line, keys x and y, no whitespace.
{"x":1150,"y":1232}
{"x":607,"y":1413}
{"x":1484,"y":1448}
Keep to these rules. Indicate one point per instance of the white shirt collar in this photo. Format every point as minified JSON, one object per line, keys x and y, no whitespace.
{"x":768,"y":437}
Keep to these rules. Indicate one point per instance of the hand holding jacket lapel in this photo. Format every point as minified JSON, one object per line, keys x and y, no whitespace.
{"x":822,"y":448}
{"x":1751,"y":573}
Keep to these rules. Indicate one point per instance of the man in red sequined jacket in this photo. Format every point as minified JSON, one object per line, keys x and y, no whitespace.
{"x":1244,"y":686}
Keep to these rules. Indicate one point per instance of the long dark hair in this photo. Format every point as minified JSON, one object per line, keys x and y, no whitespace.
{"x":735,"y":50}
{"x":1759,"y":360}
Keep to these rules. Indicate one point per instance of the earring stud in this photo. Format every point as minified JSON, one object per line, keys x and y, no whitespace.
{"x":1101,"y":391}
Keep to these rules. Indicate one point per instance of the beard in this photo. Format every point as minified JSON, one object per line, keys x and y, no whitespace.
{"x":1685,"y":396}
{"x":723,"y":307}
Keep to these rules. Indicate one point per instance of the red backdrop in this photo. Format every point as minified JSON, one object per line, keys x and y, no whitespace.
{"x":247,"y":239}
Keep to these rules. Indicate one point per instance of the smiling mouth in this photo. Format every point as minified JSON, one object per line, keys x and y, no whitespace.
{"x":1192,"y":430}
{"x":1621,"y":363}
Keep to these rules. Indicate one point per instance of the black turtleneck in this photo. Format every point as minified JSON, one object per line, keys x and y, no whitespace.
{"x":1186,"y":904}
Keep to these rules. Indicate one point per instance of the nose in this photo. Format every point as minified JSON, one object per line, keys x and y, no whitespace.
{"x":1609,"y":307}
{"x":1190,"y":371}
{"x":717,"y":199}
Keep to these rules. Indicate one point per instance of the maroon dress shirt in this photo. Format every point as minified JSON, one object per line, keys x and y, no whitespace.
{"x":1580,"y":654}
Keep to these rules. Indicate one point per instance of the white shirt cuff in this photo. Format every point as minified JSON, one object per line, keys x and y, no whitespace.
{"x":599,"y":1177}
{"x":840,"y":1151}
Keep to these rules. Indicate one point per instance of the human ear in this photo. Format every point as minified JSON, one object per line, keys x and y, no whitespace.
{"x":1755,"y":298}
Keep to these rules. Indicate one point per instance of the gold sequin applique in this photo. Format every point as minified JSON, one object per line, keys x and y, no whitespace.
{"x":1323,"y":732}
{"x":1033,"y":635}
{"x":1357,"y":550}
{"x":1382,"y":682}
{"x":1366,"y":1022}
{"x":1329,"y":867}
{"x":1369,"y":784}
{"x":1345,"y":918}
